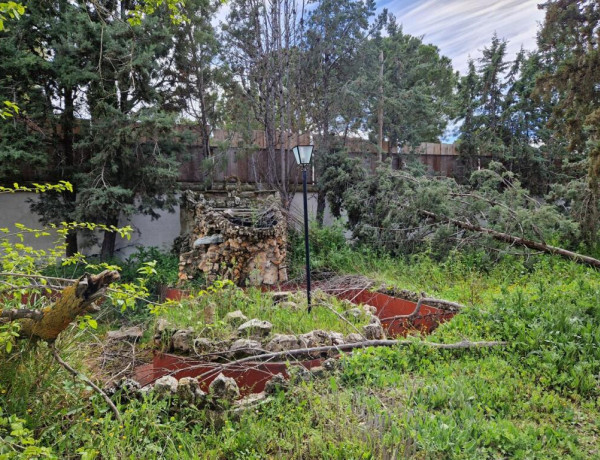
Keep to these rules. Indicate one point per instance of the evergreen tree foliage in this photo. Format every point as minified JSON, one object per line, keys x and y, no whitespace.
{"x":336,"y":32}
{"x":418,"y":86}
{"x":569,"y":42}
{"x":93,"y":92}
{"x":196,"y":73}
{"x":388,"y":211}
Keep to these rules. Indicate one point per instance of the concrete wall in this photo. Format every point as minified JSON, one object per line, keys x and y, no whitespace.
{"x":14,"y":208}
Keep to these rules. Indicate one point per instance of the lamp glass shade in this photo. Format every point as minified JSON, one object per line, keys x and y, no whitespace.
{"x":302,"y":153}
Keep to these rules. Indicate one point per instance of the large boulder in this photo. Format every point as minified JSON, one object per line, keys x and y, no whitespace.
{"x":337,"y":338}
{"x":130,"y":334}
{"x":224,"y":389}
{"x":354,"y":338}
{"x":163,"y":326}
{"x":255,"y":328}
{"x":316,"y":338}
{"x":128,"y":388}
{"x":369,"y":309}
{"x":299,"y":373}
{"x":275,"y":384}
{"x":281,"y":296}
{"x":203,"y":346}
{"x":281,"y":342}
{"x":331,"y":364}
{"x":373,"y":331}
{"x":235,"y":318}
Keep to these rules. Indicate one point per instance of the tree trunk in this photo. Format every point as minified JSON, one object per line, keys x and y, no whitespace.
{"x":590,"y":222}
{"x":109,"y":240}
{"x":324,"y":151}
{"x":511,"y":239}
{"x":321,"y":204}
{"x":72,"y":247}
{"x":74,"y":301}
{"x":380,"y":109}
{"x":70,"y":198}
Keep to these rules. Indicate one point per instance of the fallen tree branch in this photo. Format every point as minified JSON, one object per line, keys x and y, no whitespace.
{"x":96,"y":388}
{"x":74,"y":301}
{"x":422,"y":300}
{"x":511,"y":239}
{"x":343,"y":347}
{"x":33,"y":276}
{"x":14,"y":314}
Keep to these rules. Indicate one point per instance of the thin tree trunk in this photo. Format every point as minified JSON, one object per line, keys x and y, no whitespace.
{"x":321,"y":204}
{"x":68,"y":125}
{"x":109,"y":240}
{"x":324,"y":150}
{"x":590,"y":222}
{"x":380,"y":109}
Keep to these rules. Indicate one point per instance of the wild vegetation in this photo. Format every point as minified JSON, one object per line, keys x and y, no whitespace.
{"x":100,"y":93}
{"x":535,"y":398}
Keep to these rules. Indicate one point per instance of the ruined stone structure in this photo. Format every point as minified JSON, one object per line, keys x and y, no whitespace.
{"x":241,"y":236}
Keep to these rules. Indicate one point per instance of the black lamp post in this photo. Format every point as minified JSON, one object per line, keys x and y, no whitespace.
{"x":302,"y":153}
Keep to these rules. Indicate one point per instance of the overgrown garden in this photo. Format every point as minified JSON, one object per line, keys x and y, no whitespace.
{"x":107,"y":94}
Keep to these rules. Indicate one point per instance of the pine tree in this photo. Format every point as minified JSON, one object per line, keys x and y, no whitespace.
{"x":74,"y":60}
{"x":569,"y":42}
{"x":336,"y":31}
{"x":418,"y":86}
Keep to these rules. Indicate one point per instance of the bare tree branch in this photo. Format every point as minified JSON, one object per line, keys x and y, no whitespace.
{"x":96,"y":388}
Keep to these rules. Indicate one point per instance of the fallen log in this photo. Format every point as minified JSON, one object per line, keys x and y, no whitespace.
{"x":46,"y":324}
{"x":343,"y":347}
{"x":511,"y":239}
{"x":14,"y":314}
{"x":74,"y":301}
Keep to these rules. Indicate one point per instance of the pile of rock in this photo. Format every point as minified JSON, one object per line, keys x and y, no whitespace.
{"x":242,"y":239}
{"x":254,"y":339}
{"x":222,"y":391}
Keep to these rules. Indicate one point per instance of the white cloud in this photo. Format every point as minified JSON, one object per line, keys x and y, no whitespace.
{"x":462,"y":28}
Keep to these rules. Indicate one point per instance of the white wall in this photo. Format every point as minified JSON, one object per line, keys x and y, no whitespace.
{"x":297,"y":209}
{"x":14,"y":208}
{"x":146,"y":232}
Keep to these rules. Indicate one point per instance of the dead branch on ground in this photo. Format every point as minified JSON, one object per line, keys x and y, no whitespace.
{"x":95,"y":387}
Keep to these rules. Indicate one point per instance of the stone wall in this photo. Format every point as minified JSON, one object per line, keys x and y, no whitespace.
{"x":241,"y":236}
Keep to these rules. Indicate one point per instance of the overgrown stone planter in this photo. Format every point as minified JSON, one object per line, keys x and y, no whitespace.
{"x":252,"y":376}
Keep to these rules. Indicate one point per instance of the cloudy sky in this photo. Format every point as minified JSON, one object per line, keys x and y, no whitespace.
{"x":461,"y":28}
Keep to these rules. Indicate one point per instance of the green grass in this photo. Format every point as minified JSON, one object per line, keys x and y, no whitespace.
{"x":206,"y":313}
{"x":539,"y":397}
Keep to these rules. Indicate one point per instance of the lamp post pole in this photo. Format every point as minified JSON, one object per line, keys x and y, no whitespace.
{"x":306,"y":237}
{"x":302,"y":154}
